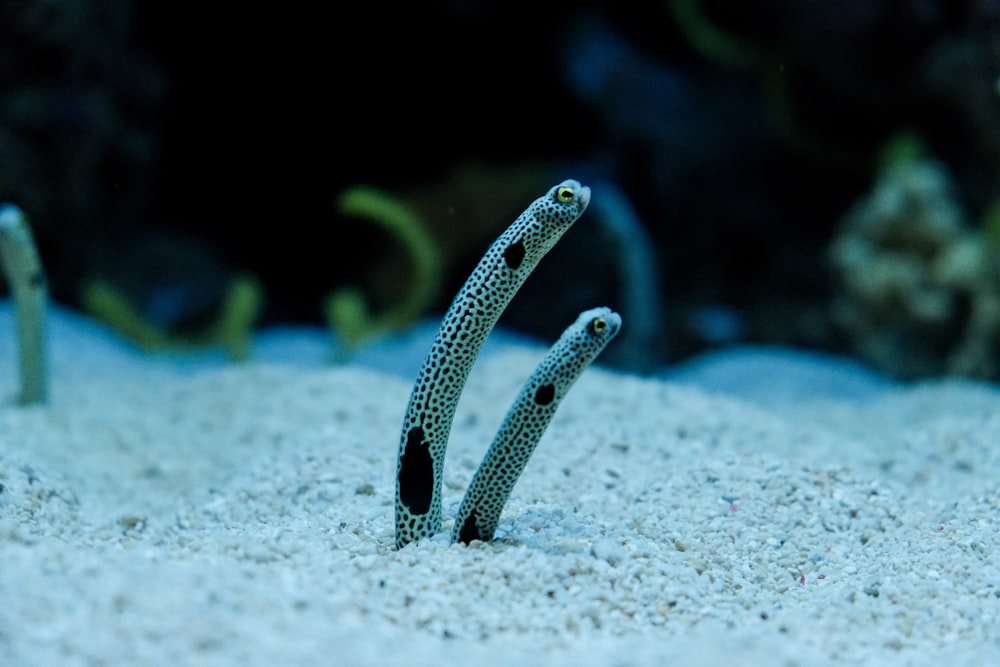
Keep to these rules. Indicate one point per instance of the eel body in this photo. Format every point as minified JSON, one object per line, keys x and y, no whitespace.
{"x":470,"y":318}
{"x":527,"y":420}
{"x":26,"y":277}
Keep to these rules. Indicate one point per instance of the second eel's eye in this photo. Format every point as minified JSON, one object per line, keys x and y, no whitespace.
{"x":565,"y":195}
{"x":599,"y":325}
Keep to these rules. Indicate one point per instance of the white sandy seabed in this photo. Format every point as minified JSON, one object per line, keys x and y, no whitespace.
{"x":156,"y":513}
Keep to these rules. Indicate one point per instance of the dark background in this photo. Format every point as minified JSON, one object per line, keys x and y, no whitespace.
{"x":169,"y":146}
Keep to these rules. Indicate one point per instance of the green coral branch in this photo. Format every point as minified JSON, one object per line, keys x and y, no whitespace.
{"x":710,"y":40}
{"x":232,"y":330}
{"x":347,"y":311}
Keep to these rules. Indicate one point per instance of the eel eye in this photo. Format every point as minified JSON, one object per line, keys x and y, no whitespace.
{"x":599,"y":325}
{"x":565,"y":195}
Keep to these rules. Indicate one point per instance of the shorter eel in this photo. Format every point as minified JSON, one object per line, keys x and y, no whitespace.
{"x":527,"y":420}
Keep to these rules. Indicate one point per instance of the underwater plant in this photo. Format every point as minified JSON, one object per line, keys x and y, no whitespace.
{"x":232,"y":329}
{"x":26,"y":277}
{"x":346,"y":310}
{"x":468,"y":321}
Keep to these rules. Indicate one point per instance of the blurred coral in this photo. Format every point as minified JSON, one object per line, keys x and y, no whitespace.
{"x":919,"y":288}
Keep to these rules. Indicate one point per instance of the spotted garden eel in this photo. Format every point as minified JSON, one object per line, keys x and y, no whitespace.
{"x":470,"y":318}
{"x":26,"y":277}
{"x":527,"y":420}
